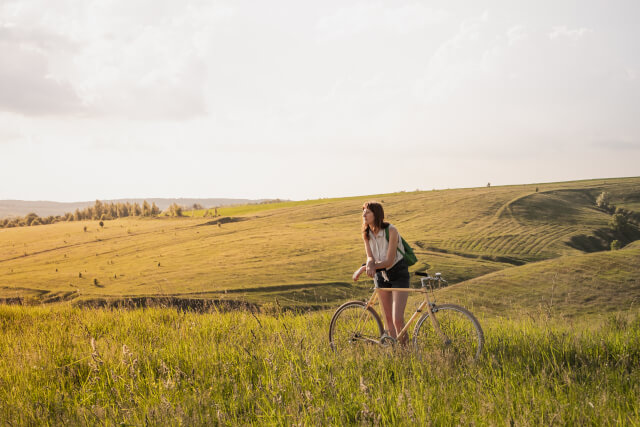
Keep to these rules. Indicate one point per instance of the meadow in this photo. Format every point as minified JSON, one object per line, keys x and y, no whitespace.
{"x":66,"y":365}
{"x":303,"y":253}
{"x":233,"y":314}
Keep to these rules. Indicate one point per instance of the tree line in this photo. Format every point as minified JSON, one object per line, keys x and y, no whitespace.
{"x":99,"y":211}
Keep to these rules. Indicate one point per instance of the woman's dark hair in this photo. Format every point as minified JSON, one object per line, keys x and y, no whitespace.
{"x":378,"y":218}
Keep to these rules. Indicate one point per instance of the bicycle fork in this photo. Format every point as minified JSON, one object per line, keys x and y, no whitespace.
{"x":429,"y":309}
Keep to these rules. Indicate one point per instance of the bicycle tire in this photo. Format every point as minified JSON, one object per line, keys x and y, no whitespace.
{"x":345,"y":321}
{"x":461,"y":328}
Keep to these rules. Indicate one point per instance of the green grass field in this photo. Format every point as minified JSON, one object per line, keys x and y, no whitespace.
{"x":65,"y":365}
{"x":561,"y":322}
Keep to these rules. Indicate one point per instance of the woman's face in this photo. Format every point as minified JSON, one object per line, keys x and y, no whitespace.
{"x":367,"y":216}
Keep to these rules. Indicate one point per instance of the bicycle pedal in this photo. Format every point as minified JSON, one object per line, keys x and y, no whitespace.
{"x":387,"y":341}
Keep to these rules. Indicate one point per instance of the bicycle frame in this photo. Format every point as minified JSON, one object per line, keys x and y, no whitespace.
{"x":425,"y":304}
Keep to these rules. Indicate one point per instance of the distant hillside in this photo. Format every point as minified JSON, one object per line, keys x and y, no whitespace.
{"x":10,"y":208}
{"x":303,"y":253}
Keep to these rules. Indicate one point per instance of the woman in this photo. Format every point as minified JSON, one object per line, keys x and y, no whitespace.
{"x":383,"y":254}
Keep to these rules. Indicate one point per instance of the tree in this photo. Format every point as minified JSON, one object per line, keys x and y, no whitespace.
{"x":123,"y":211}
{"x":615,"y":245}
{"x":146,"y":209}
{"x":603,"y":200}
{"x":97,"y":210}
{"x":618,"y":223}
{"x":155,"y":210}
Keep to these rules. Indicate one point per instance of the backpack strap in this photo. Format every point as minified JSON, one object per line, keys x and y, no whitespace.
{"x":386,"y":234}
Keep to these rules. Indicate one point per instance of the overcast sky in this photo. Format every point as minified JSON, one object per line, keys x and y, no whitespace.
{"x":293,"y":99}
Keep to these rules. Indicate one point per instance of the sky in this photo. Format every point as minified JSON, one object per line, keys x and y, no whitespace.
{"x":106,"y":99}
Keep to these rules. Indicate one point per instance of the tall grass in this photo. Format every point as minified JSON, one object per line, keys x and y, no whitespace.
{"x":60,"y":364}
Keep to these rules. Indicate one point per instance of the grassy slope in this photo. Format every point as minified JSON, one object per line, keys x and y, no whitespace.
{"x":570,"y":285}
{"x":303,"y":252}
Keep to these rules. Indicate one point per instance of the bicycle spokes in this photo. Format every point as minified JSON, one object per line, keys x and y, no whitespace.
{"x":460,"y":334}
{"x":353,"y":324}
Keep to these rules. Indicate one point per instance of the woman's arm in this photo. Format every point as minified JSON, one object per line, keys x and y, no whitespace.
{"x":370,"y":266}
{"x":391,"y":252}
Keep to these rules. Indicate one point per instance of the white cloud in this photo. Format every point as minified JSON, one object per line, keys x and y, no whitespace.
{"x":457,"y":59}
{"x":144,"y":59}
{"x":375,"y":16}
{"x":27,"y":85}
{"x":515,"y":34}
{"x":563,"y":31}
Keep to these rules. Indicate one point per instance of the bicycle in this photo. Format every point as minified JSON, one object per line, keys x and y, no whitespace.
{"x":447,"y":328}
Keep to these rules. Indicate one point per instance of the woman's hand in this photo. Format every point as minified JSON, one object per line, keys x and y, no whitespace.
{"x":358,"y":272}
{"x":371,"y":267}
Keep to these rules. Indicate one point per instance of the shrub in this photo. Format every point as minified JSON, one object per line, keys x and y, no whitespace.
{"x":29,"y":218}
{"x":618,"y":223}
{"x":615,"y":245}
{"x":175,"y":209}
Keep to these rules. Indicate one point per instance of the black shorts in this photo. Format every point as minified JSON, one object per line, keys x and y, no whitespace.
{"x":398,"y":276}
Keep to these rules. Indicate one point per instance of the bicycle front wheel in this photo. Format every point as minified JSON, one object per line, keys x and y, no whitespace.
{"x":352,"y":325}
{"x":461,"y":336}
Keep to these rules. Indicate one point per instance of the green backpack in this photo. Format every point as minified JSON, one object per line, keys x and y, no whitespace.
{"x":408,"y":254}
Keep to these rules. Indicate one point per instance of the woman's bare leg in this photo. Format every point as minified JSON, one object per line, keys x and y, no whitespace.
{"x":386,"y":299}
{"x":399,"y":304}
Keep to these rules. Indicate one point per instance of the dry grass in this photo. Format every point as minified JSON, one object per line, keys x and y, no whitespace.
{"x":300,"y":252}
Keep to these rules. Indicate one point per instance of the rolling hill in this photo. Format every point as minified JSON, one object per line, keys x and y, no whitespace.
{"x":303,"y":253}
{"x":594,"y":283}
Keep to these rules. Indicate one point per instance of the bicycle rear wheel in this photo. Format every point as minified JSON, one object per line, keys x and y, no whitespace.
{"x":463,"y":337}
{"x":353,"y":326}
